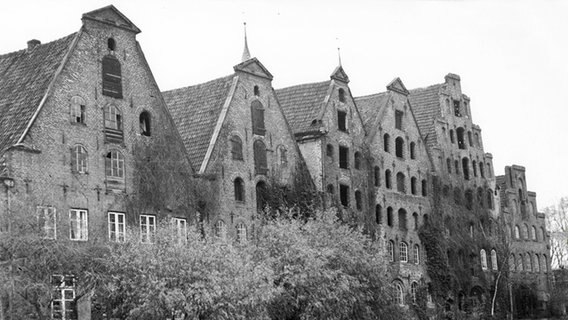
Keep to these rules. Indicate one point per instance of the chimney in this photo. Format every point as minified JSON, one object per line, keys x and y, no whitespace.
{"x":33,"y":43}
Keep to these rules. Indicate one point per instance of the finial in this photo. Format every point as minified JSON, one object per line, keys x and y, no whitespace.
{"x":246,"y":53}
{"x":339,"y":55}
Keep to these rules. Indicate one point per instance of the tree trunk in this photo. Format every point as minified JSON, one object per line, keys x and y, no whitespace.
{"x":495,"y":294}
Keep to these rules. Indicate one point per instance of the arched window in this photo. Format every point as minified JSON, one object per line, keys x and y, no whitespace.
{"x":357,"y":160}
{"x":452,"y":136}
{"x":470,"y":138}
{"x":483,"y":257}
{"x":400,"y":182}
{"x":512,"y":263}
{"x":399,"y":143}
{"x":236,"y":148}
{"x":390,"y":250}
{"x":260,"y":163}
{"x":386,"y":142}
{"x":465,"y":165}
{"x":341,"y":94}
{"x":412,"y":150}
{"x":378,"y":214}
{"x":449,"y":165}
{"x":111,"y":44}
{"x":239,"y":187}
{"x":494,"y":265}
{"x":543,"y":233}
{"x":536,"y":263}
{"x":112,"y":77}
{"x":358,"y":200}
{"x":389,"y":217}
{"x":490,"y":199}
{"x":474,"y":167}
{"x":544,"y":262}
{"x":416,"y":254}
{"x":517,"y":232}
{"x":398,"y":294}
{"x":113,"y":118}
{"x":415,"y":219}
{"x":257,"y":111}
{"x":461,"y":140}
{"x":489,"y":173}
{"x":481,"y":173}
{"x":77,"y":110}
{"x":402,"y":222}
{"x":424,"y":188}
{"x":256,"y":91}
{"x":525,"y":232}
{"x":457,"y":166}
{"x":528,"y":262}
{"x":388,"y":182}
{"x":413,"y":185}
{"x":79,"y":158}
{"x":377,"y":175}
{"x":533,"y":233}
{"x":145,"y":128}
{"x":521,"y":263}
{"x":413,"y":290}
{"x":403,"y":252}
{"x":477,"y":141}
{"x":329,"y":151}
{"x":114,"y":165}
{"x":221,"y":230}
{"x":241,"y":233}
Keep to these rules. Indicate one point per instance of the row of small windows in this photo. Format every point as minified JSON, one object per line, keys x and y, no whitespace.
{"x":465,"y":168}
{"x":114,"y":162}
{"x":403,"y":252}
{"x":460,"y":138}
{"x":529,"y":233}
{"x":401,"y":182}
{"x":260,"y":157}
{"x":466,"y":198}
{"x":402,"y":218}
{"x":399,"y":147}
{"x":344,"y":195}
{"x":528,"y":262}
{"x":485,"y":261}
{"x":344,"y":157}
{"x":398,"y":295}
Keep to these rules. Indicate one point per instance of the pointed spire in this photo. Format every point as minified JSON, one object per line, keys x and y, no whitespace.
{"x":246,"y":53}
{"x":339,"y":55}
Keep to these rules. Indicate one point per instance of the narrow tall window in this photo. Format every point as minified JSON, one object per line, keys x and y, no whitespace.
{"x":389,"y":217}
{"x":239,"y":187}
{"x":283,"y":157}
{"x":378,"y":214}
{"x":399,"y":150}
{"x":398,"y":119}
{"x":416,"y":254}
{"x":145,"y":128}
{"x":536,"y":264}
{"x":390,"y":250}
{"x":236,"y":148}
{"x":474,"y":167}
{"x":517,"y":232}
{"x":403,"y":252}
{"x":221,"y":230}
{"x":412,"y":150}
{"x":470,"y":138}
{"x":113,"y":124}
{"x":449,"y":165}
{"x":329,"y":151}
{"x":111,"y":44}
{"x":415,"y":220}
{"x":344,"y":195}
{"x":341,"y":95}
{"x":481,"y":173}
{"x":413,"y":185}
{"x":343,"y":157}
{"x":260,"y":162}
{"x":357,"y":160}
{"x":112,"y":77}
{"x":398,"y":294}
{"x":241,"y":233}
{"x":79,"y":158}
{"x":483,"y":257}
{"x":461,"y":141}
{"x":457,"y":111}
{"x":257,"y":111}
{"x":116,"y":226}
{"x":47,"y":218}
{"x":424,"y":188}
{"x":377,"y":176}
{"x":342,"y":121}
{"x":400,"y":182}
{"x":77,"y":110}
{"x":358,"y":200}
{"x":388,"y":181}
{"x":452,"y":136}
{"x":147,"y":228}
{"x":465,"y":165}
{"x":413,"y":289}
{"x":386,"y":142}
{"x":494,"y":265}
{"x":114,"y":164}
{"x":402,"y":222}
{"x":78,"y":225}
{"x":63,"y":305}
{"x":533,"y":233}
{"x":180,"y":228}
{"x":256,"y":91}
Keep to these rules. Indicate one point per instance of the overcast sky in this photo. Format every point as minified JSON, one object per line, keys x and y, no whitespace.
{"x":511,"y":56}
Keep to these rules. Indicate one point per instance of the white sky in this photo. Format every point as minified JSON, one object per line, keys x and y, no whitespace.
{"x":510,"y":55}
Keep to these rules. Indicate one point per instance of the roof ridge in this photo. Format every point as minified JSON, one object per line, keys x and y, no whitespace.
{"x":199,"y":84}
{"x":302,"y":85}
{"x":39,"y":45}
{"x":425,"y":88}
{"x":372,"y":95}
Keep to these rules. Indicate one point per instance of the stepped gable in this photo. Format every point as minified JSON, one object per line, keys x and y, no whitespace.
{"x":425,"y":104}
{"x":195,"y":111}
{"x":25,"y":77}
{"x":302,"y":104}
{"x":370,"y":107}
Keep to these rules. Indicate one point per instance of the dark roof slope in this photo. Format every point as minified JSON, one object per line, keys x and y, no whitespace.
{"x":425,"y":103}
{"x":25,"y":76}
{"x":370,"y":107}
{"x":302,"y":104}
{"x":195,"y":111}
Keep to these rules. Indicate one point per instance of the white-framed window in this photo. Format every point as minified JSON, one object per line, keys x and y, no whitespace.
{"x":403,"y":252}
{"x":483,"y":257}
{"x":63,"y":301}
{"x":494,"y":265}
{"x":241,"y":233}
{"x":221,"y":230}
{"x":390,"y":250}
{"x":413,"y":290}
{"x":180,"y":226}
{"x":116,"y":226}
{"x":147,"y":228}
{"x":398,"y":294}
{"x":79,"y":158}
{"x":113,"y":118}
{"x":47,"y":221}
{"x":78,"y":225}
{"x":114,"y":164}
{"x":416,"y":254}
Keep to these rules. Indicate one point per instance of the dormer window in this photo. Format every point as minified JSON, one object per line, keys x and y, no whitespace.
{"x":111,"y":44}
{"x":112,"y":77}
{"x":341,"y":94}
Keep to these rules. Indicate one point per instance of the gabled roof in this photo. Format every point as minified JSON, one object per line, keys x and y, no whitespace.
{"x":111,"y":16}
{"x":340,"y":75}
{"x":425,"y":104}
{"x":302,"y":104}
{"x":25,"y":77}
{"x":398,"y":86}
{"x":196,"y":110}
{"x":254,"y":67}
{"x":371,"y":107}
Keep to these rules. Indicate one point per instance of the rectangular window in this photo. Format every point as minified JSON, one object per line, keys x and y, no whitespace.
{"x":398,"y":119}
{"x":343,"y":157}
{"x":344,"y":194}
{"x":180,"y":226}
{"x":457,"y":111}
{"x":47,"y":218}
{"x":116,"y":226}
{"x":147,"y":228}
{"x":112,"y":77}
{"x":79,"y":225}
{"x":78,"y":113}
{"x":342,"y":121}
{"x":63,"y":302}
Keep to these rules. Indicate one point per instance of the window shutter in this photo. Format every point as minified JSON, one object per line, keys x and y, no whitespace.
{"x":112,"y":77}
{"x":257,"y":111}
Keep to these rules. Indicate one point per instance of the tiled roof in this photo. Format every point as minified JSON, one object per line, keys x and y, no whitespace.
{"x":302,"y":104}
{"x":25,"y":76}
{"x":370,"y":108}
{"x":195,"y":111}
{"x":425,"y":103}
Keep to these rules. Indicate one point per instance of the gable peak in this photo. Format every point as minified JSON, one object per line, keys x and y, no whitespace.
{"x":111,"y":16}
{"x":397,"y":86}
{"x":339,"y":74}
{"x":254,"y":67}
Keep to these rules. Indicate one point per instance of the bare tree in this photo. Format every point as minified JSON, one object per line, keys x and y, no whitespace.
{"x":557,"y":224}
